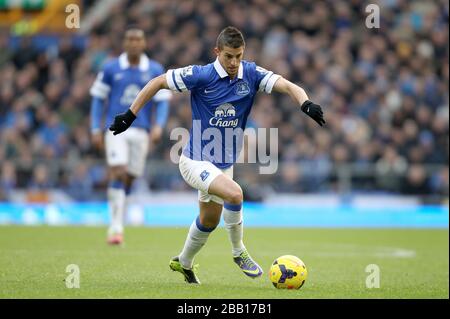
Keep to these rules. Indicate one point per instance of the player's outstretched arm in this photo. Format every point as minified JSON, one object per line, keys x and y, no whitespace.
{"x":96,"y":119}
{"x":162,"y":113}
{"x":124,"y":120}
{"x":299,"y":95}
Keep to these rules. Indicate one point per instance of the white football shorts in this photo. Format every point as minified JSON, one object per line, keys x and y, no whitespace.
{"x":129,"y":149}
{"x":200,"y":174}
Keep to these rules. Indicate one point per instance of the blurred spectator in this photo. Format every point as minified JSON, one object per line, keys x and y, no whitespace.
{"x":39,"y":186}
{"x":5,"y":53}
{"x":390,"y":168}
{"x":8,"y":180}
{"x":439,"y":182}
{"x":53,"y":136}
{"x":80,"y":184}
{"x":291,"y":176}
{"x":25,"y":52}
{"x":416,"y":182}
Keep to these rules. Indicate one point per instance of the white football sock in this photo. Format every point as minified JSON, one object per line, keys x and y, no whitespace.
{"x":232,"y":216}
{"x":196,"y":239}
{"x":117,"y":204}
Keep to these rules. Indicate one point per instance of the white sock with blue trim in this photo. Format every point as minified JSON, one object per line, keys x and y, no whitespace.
{"x":232,"y":216}
{"x":196,"y":239}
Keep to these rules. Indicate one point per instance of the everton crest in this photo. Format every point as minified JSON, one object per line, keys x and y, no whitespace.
{"x":242,"y":88}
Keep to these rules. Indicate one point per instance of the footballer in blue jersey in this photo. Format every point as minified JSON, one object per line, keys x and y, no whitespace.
{"x":219,"y":103}
{"x":222,"y":94}
{"x":114,"y":90}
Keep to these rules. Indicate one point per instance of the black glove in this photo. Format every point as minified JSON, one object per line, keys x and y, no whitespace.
{"x":122,"y":122}
{"x":314,"y":111}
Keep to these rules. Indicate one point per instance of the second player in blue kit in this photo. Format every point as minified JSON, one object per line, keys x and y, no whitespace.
{"x":116,"y":87}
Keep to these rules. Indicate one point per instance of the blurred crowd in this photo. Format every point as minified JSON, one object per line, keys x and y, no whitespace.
{"x":384,"y":92}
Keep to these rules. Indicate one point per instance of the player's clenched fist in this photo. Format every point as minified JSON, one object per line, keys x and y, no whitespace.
{"x":122,"y":122}
{"x":314,"y":111}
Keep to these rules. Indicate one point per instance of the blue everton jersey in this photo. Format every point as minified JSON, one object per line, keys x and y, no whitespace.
{"x":120,"y":83}
{"x":220,"y":107}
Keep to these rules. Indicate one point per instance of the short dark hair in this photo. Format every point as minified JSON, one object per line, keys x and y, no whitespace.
{"x":132,"y":27}
{"x":230,"y":37}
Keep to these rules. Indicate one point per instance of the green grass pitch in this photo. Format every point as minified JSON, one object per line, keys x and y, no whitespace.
{"x":413,"y":263}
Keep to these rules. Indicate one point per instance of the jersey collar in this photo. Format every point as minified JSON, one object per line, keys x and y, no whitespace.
{"x":222,"y":73}
{"x":144,"y":62}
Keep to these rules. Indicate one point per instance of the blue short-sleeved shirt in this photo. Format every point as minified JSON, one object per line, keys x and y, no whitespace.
{"x":120,"y":83}
{"x":220,"y":107}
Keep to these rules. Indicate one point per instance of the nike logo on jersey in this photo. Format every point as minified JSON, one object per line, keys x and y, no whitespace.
{"x":209,"y":91}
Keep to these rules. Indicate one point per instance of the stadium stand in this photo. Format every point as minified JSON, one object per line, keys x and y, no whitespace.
{"x":384,"y":94}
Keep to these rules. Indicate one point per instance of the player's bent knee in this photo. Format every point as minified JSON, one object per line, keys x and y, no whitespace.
{"x":118,"y":173}
{"x":227,"y":189}
{"x":236,"y":196}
